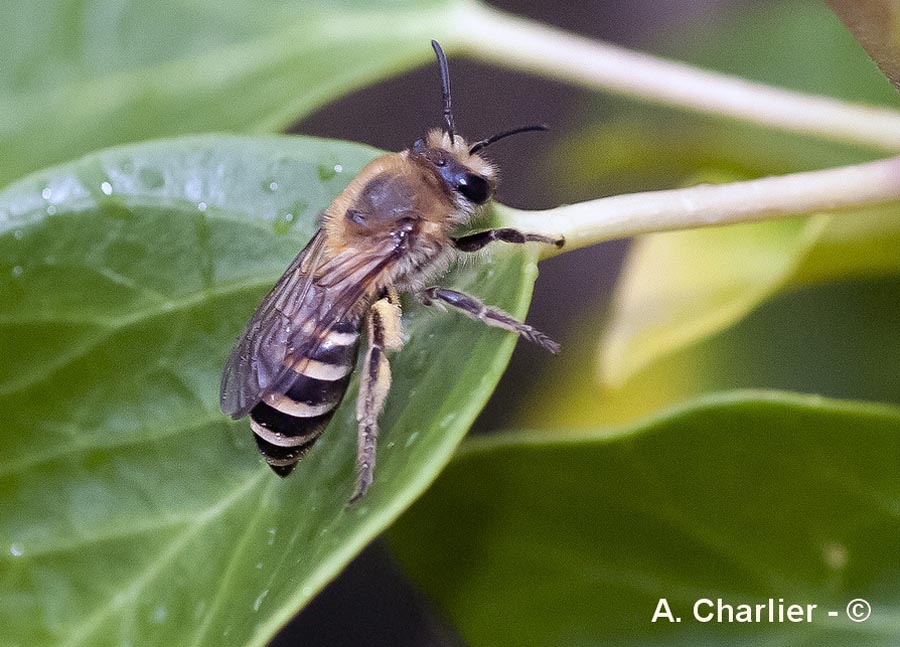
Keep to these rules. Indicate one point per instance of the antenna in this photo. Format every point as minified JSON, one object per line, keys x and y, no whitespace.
{"x":449,"y":125}
{"x":484,"y":143}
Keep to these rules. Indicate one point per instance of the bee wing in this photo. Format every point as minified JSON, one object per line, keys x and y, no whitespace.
{"x":256,"y":357}
{"x":292,"y":321}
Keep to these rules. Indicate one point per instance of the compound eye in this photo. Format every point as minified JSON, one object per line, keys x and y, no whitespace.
{"x":475,"y":188}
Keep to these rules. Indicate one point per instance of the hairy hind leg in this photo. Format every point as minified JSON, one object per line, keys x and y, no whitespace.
{"x":476,"y":309}
{"x":384,"y":333}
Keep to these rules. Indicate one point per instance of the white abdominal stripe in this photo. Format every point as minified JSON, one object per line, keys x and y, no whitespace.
{"x":286,"y":425}
{"x":321,"y":370}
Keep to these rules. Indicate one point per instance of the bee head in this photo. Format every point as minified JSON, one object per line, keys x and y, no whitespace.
{"x":459,"y":164}
{"x":468,"y":175}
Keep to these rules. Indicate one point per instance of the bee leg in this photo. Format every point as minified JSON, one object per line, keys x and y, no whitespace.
{"x":474,"y":242}
{"x":384,"y":333}
{"x":476,"y":309}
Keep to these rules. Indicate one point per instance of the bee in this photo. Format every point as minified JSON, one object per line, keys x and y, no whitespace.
{"x":391,"y":230}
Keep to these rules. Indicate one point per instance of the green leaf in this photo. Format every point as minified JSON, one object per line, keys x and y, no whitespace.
{"x":78,"y":75}
{"x":816,"y":53}
{"x":535,"y":539}
{"x":837,"y":340}
{"x":133,"y":511}
{"x":876,"y":25}
{"x":680,"y":288}
{"x":862,"y":243}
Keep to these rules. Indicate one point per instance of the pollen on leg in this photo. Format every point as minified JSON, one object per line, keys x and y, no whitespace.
{"x":390,"y":321}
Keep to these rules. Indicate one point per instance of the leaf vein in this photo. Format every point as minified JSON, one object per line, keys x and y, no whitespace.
{"x":20,"y":465}
{"x":82,"y":632}
{"x":185,"y":304}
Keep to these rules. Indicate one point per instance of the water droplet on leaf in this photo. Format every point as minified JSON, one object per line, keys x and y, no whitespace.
{"x":283,"y":223}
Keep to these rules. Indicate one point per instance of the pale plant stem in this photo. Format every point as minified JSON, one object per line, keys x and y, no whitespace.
{"x":711,"y":205}
{"x":518,"y":43}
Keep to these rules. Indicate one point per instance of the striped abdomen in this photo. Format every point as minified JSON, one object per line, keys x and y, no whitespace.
{"x":287,"y":425}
